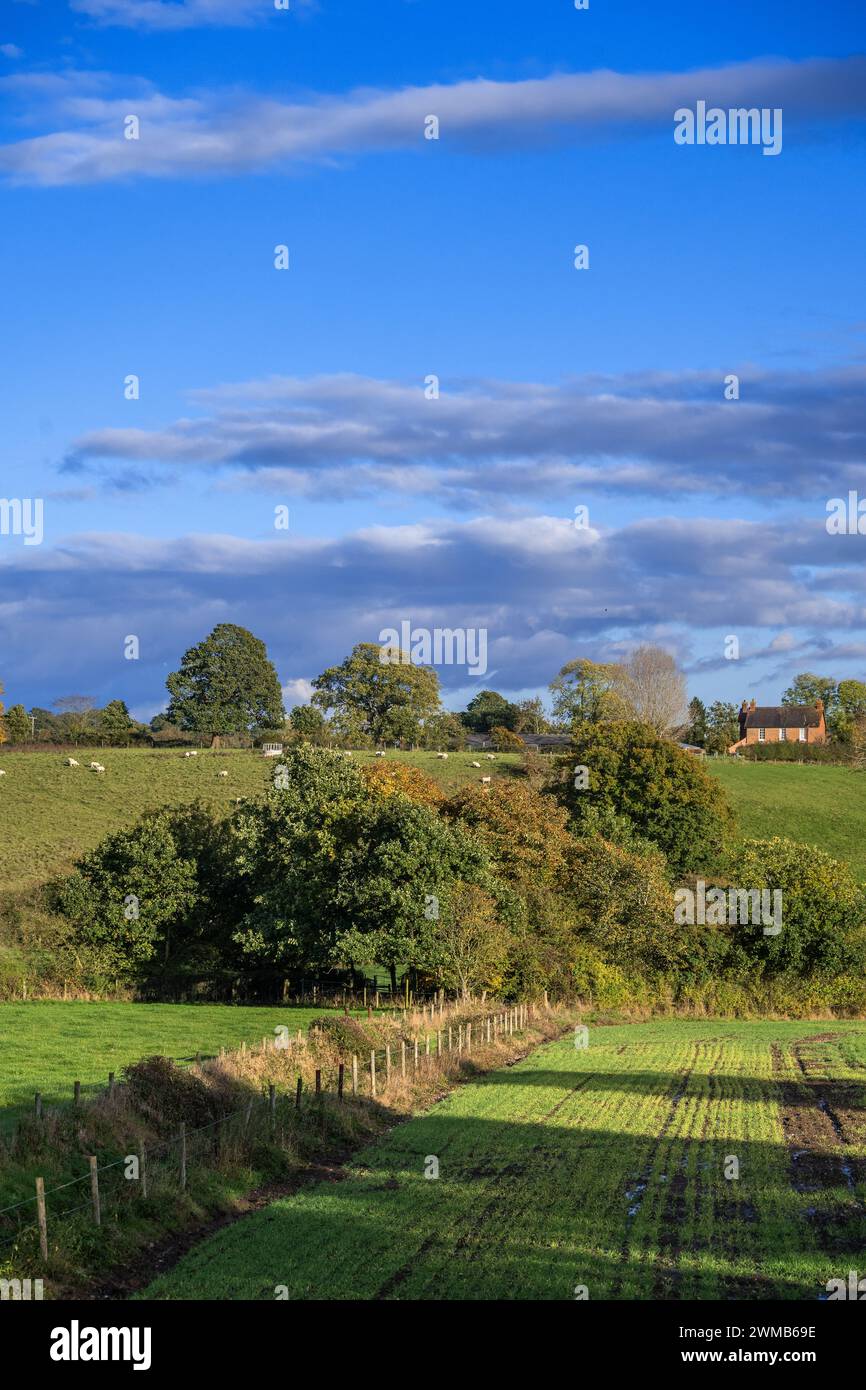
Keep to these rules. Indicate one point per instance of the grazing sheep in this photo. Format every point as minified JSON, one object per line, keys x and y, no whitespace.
{"x":491,"y":756}
{"x":475,"y":764}
{"x":222,"y":774}
{"x":72,"y":762}
{"x":97,"y":767}
{"x":380,"y":755}
{"x":2,"y":772}
{"x":484,"y":779}
{"x":441,"y":755}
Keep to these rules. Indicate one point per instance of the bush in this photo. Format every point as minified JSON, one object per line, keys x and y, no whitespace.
{"x":665,"y":793}
{"x":823,"y":911}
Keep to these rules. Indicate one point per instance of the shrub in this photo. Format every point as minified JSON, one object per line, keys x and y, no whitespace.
{"x":823,"y":910}
{"x":665,"y":793}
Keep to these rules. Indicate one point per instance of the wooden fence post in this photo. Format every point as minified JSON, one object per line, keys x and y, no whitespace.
{"x":272,"y":1104}
{"x":449,"y":1037}
{"x":354,"y":1073}
{"x":40,"y":1210}
{"x":142,"y":1162}
{"x":340,"y":1073}
{"x":387,"y":1063}
{"x":402,"y":1056}
{"x":416,"y":1054}
{"x":76,"y":1093}
{"x":373,"y":1075}
{"x":183,"y":1158}
{"x":298,"y":1089}
{"x":318,"y":1081}
{"x":111,"y":1083}
{"x":439,"y":1043}
{"x":94,"y":1189}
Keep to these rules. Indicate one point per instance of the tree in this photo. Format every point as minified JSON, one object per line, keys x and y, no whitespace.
{"x":129,"y":894}
{"x":338,"y":872}
{"x":76,"y":716}
{"x":698,"y":727}
{"x":626,"y":770}
{"x":379,"y":694}
{"x":504,"y":741}
{"x":18,"y":724}
{"x":390,"y":778}
{"x":807,"y":688}
{"x":225,"y":685}
{"x":115,"y":722}
{"x":723,"y":727}
{"x":655,"y":689}
{"x":309,"y":724}
{"x":851,"y":707}
{"x":587,"y":691}
{"x":472,"y":943}
{"x":533,"y":718}
{"x":487,"y":708}
{"x":823,"y":910}
{"x":445,"y":731}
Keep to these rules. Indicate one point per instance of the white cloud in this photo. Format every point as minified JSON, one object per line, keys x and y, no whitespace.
{"x":179,"y":14}
{"x":225,"y":134}
{"x":792,"y":434}
{"x":11,"y":50}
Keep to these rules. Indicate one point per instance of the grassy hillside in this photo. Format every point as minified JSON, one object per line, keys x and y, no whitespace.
{"x":603,"y":1168}
{"x":816,"y":804}
{"x":51,"y":813}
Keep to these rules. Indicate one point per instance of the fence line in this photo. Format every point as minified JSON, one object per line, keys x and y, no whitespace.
{"x":496,"y":1025}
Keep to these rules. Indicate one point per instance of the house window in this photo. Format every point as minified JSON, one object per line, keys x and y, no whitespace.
{"x":781,"y":735}
{"x":762,"y":734}
{"x":802,"y":735}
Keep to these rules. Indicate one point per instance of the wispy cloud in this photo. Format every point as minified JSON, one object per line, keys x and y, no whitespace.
{"x":545,"y":591}
{"x":791,"y":434}
{"x":181,"y":14}
{"x":225,"y":133}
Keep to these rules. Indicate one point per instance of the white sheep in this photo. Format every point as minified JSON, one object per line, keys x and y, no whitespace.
{"x":475,"y":764}
{"x":222,"y":774}
{"x":491,"y":756}
{"x":2,"y":772}
{"x":380,"y":755}
{"x":97,"y":767}
{"x":484,"y":779}
{"x":72,"y":762}
{"x":441,"y":755}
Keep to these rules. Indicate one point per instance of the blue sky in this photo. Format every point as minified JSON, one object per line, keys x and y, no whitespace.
{"x":411,"y":257}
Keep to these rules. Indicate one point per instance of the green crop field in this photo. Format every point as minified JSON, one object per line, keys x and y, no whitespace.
{"x":609,"y":1168}
{"x":47,"y":1045}
{"x":815,"y":803}
{"x":51,"y":813}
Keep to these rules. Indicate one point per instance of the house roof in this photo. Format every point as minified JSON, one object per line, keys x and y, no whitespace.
{"x":783,"y":717}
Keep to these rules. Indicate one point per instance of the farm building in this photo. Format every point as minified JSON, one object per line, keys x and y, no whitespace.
{"x":780,"y":724}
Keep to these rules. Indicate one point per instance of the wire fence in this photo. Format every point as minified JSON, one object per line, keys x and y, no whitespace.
{"x":156,"y":1171}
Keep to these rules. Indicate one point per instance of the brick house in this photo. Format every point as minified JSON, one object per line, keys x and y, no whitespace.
{"x":781,"y":724}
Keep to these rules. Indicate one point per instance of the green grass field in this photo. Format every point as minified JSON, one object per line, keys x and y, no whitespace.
{"x":51,"y":813}
{"x":47,"y":1045}
{"x":604,"y":1168}
{"x":816,"y":804}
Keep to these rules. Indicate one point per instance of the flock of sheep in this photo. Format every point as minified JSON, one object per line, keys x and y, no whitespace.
{"x":99,"y":768}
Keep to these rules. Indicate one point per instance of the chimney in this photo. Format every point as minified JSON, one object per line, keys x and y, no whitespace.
{"x":819,"y":705}
{"x":753,"y":705}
